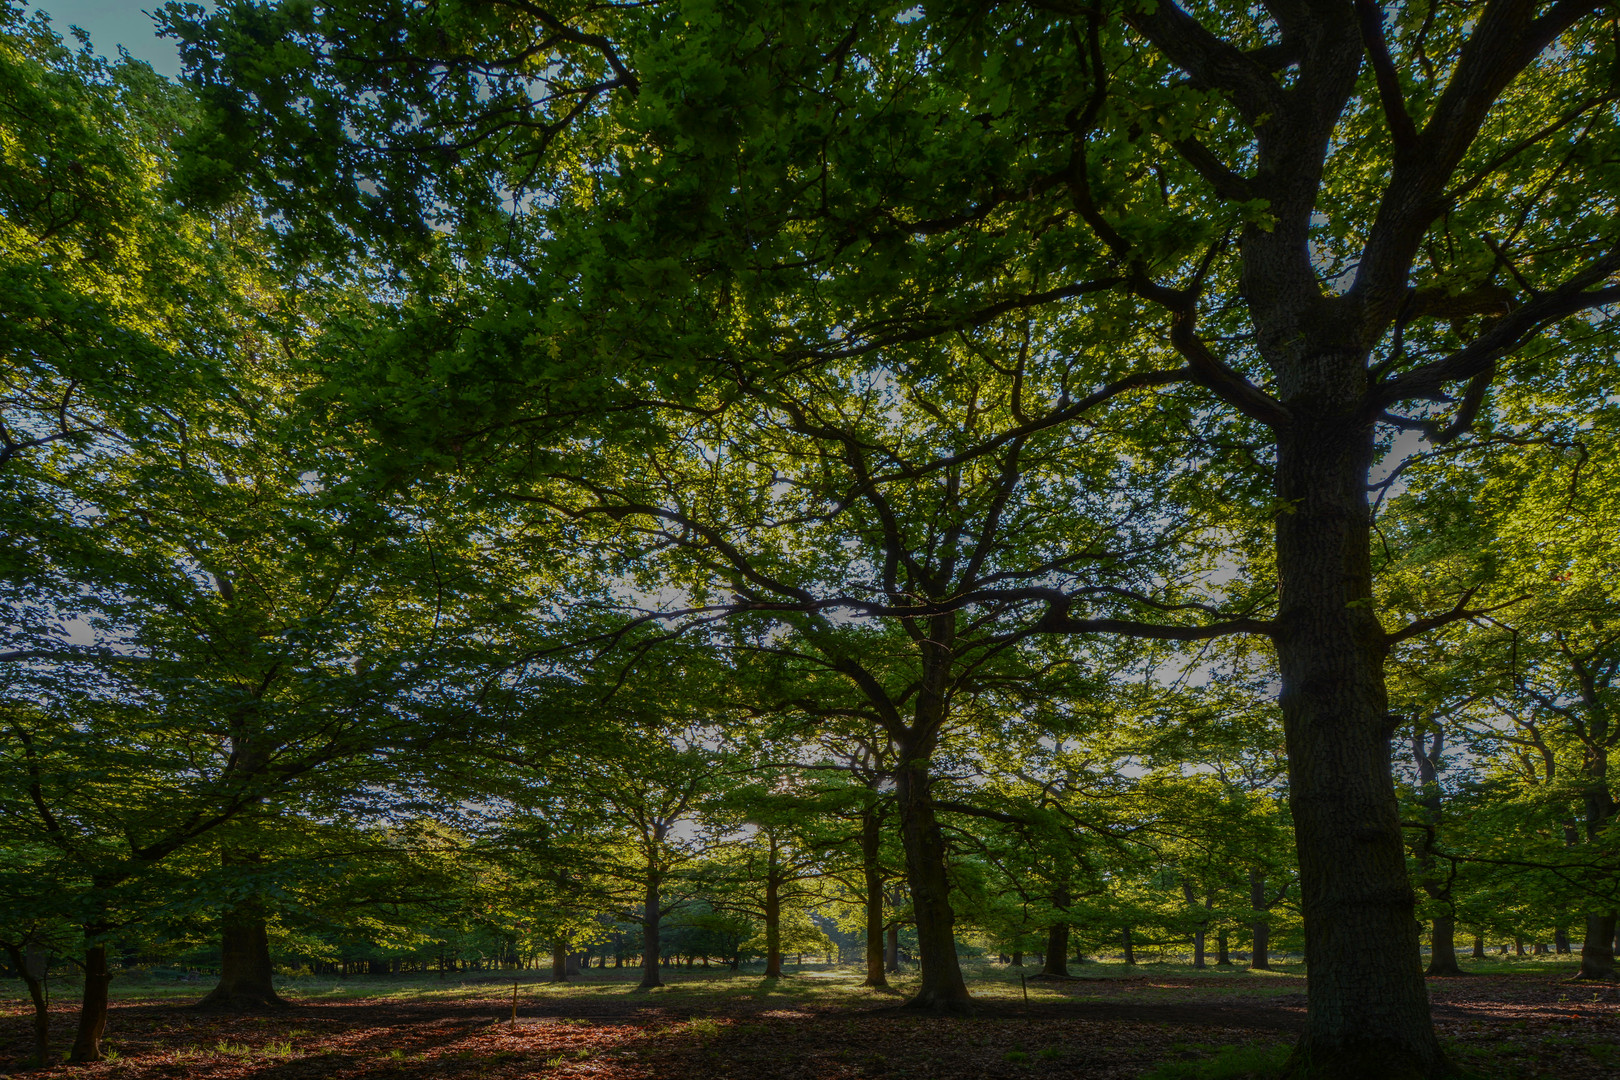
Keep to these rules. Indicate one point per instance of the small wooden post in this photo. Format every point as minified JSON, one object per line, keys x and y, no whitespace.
{"x":514,"y":1001}
{"x":1024,"y":986}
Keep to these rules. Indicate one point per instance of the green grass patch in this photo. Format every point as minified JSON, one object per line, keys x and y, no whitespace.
{"x":1250,"y":1062}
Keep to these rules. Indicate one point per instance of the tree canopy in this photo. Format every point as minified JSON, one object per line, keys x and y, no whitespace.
{"x":498,"y":478}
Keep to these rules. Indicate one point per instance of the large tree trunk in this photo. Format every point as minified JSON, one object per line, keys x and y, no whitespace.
{"x":773,"y":922}
{"x":872,"y":871}
{"x":650,"y":946}
{"x":93,"y":1008}
{"x":1260,"y":929}
{"x":559,"y":962}
{"x":31,"y":964}
{"x":1367,"y":1013}
{"x":246,"y":977}
{"x":1597,"y":951}
{"x":1057,"y":950}
{"x":1057,"y":935}
{"x":942,"y":988}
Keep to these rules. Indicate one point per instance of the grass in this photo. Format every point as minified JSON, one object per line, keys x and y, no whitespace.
{"x":1254,"y":1060}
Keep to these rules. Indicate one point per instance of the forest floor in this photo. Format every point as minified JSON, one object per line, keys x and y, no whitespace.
{"x":1164,"y":1021}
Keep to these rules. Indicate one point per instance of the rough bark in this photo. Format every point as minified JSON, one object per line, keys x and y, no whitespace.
{"x":1479,"y":946}
{"x":872,"y":872}
{"x":93,"y":1007}
{"x":1222,"y":957}
{"x":1597,"y":951}
{"x":1561,"y":941}
{"x":891,"y":950}
{"x":941,"y":988}
{"x":1130,"y":950}
{"x":246,"y":976}
{"x":1368,"y":1009}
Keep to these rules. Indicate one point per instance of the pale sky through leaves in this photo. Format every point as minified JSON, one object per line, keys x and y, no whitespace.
{"x":112,"y":23}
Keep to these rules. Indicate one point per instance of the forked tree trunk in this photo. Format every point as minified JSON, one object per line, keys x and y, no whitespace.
{"x":1367,"y":1014}
{"x":31,"y":964}
{"x":246,"y":977}
{"x":872,"y":872}
{"x":942,"y":988}
{"x":93,"y":1008}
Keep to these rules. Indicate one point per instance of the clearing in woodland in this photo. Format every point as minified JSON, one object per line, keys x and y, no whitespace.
{"x":1162,"y":1021}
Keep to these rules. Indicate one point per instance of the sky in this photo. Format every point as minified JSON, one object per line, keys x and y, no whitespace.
{"x":112,"y":23}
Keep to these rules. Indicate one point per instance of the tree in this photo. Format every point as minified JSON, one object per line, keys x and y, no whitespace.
{"x":1414,"y":207}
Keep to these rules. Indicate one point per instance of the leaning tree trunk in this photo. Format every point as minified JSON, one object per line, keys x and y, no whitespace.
{"x":31,"y":966}
{"x":1367,"y":1013}
{"x":93,"y":1009}
{"x":942,"y":988}
{"x":1057,"y":935}
{"x":872,"y":873}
